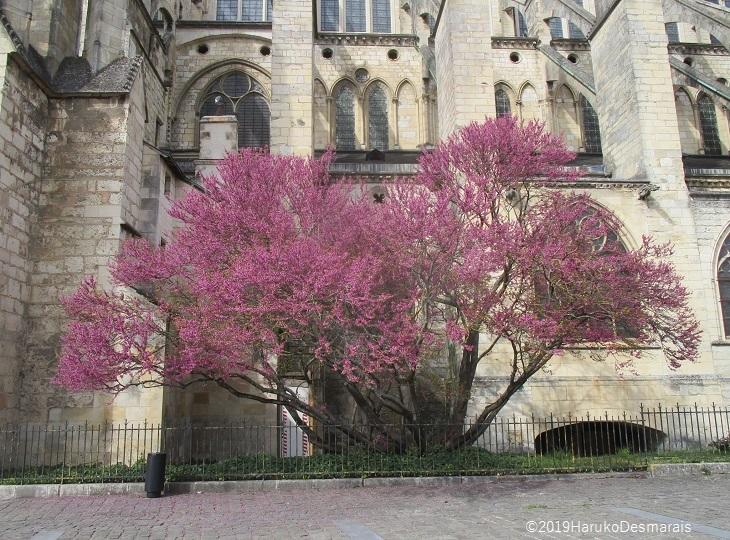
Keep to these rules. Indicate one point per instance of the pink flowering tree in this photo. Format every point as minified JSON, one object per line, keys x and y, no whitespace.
{"x":276,"y":269}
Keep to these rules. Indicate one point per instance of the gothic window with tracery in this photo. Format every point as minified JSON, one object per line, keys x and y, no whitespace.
{"x":502,"y":102}
{"x":591,"y":129}
{"x":345,"y":117}
{"x":242,"y":96}
{"x":378,"y":117}
{"x":708,"y":123}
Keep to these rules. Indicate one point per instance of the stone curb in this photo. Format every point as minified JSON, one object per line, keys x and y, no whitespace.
{"x":680,"y":470}
{"x":253,"y":486}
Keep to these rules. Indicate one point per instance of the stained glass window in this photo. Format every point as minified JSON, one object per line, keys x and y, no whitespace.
{"x":672,"y":32}
{"x":354,"y":15}
{"x":253,"y":121}
{"x":591,"y":129}
{"x":227,"y":10}
{"x":216,"y":105}
{"x":502,"y":101}
{"x":723,"y":282}
{"x":381,"y":16}
{"x":252,"y":10}
{"x":330,"y":13}
{"x":521,"y":25}
{"x":238,"y":94}
{"x":708,"y":122}
{"x":575,"y":32}
{"x":236,"y":84}
{"x":345,"y":118}
{"x":556,"y":27}
{"x":378,"y":117}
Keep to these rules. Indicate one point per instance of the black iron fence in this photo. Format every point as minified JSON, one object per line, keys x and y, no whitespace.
{"x":70,"y":453}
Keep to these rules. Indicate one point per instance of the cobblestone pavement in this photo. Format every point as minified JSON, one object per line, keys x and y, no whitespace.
{"x":577,"y":507}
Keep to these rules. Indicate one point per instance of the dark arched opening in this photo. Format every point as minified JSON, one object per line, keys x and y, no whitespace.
{"x":598,"y":437}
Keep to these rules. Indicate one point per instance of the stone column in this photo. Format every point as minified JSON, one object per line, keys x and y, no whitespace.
{"x":291,"y":77}
{"x":465,"y":72}
{"x":218,"y":137}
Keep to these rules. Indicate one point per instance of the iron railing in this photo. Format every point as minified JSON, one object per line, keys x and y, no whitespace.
{"x":71,"y":453}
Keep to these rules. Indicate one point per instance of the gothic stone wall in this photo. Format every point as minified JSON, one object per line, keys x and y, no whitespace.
{"x":91,"y":188}
{"x":23,"y":113}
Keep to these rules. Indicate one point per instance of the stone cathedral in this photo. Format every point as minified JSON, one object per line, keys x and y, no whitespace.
{"x":109,"y":109}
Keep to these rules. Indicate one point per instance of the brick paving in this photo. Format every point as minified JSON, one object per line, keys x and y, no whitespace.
{"x":563,"y":508}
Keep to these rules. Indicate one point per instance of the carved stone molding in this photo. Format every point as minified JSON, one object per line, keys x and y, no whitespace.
{"x":388,"y":40}
{"x":696,"y":48}
{"x":515,"y":43}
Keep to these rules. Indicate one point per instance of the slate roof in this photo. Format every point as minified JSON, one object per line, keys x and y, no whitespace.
{"x":74,"y":75}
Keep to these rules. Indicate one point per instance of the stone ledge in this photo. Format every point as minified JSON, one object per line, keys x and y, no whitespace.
{"x":249,"y":486}
{"x":681,"y":470}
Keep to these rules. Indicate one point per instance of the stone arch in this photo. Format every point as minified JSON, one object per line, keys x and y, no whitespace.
{"x":320,"y":110}
{"x":250,"y":68}
{"x":185,"y":127}
{"x":623,"y":235}
{"x":599,"y":437}
{"x":220,"y":37}
{"x":566,"y":116}
{"x":428,"y":20}
{"x":721,"y":276}
{"x":163,"y":15}
{"x":236,"y":92}
{"x":408,"y":116}
{"x":358,"y":90}
{"x":529,"y":103}
{"x":689,"y":135}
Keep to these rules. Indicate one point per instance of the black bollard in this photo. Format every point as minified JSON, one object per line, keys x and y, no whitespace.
{"x":154,"y":479}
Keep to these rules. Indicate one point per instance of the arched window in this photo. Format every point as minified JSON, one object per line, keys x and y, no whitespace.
{"x":502,"y":102}
{"x":723,"y":283}
{"x":708,"y":123}
{"x":345,"y":117}
{"x":253,"y":118}
{"x":378,"y":105}
{"x":238,"y":94}
{"x":591,"y":130}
